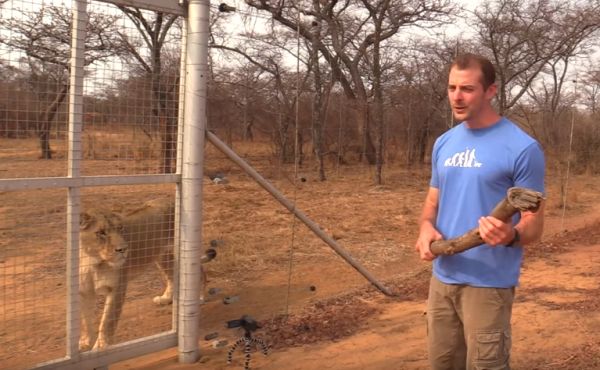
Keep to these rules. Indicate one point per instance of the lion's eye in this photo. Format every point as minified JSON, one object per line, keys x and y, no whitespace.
{"x":101,"y":234}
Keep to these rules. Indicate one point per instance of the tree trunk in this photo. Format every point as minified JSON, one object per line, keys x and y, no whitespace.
{"x":44,"y":136}
{"x":168,"y":144}
{"x":368,"y":149}
{"x":248,"y":134}
{"x":516,"y":200}
{"x":378,"y":105}
{"x":46,"y":119}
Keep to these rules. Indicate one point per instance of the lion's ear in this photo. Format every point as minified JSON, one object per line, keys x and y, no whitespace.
{"x":116,"y":221}
{"x":85,"y":220}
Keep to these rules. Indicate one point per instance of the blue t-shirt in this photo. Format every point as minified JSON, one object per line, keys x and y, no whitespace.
{"x":473,"y":169}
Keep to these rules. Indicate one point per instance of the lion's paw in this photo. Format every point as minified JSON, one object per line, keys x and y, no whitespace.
{"x":84,"y":343}
{"x":101,"y":343}
{"x":162,"y":300}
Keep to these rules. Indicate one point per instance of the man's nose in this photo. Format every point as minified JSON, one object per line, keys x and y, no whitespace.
{"x":456,"y":95}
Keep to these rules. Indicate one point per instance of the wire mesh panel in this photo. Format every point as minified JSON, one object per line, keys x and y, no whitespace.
{"x":34,"y":76}
{"x":131,"y":88}
{"x":129,"y":125}
{"x":131,"y":95}
{"x":32,"y":275}
{"x":125,"y":234}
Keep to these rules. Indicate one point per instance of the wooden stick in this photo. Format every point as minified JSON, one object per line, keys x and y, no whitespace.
{"x":516,"y":200}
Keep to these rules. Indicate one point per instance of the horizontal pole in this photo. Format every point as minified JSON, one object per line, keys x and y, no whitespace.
{"x":166,"y":6}
{"x":119,"y":352}
{"x":292,"y":208}
{"x":84,"y":181}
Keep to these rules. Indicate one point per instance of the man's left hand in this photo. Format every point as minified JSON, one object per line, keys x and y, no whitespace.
{"x":495,"y":232}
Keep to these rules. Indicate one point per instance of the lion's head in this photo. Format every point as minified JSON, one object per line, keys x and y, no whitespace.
{"x":100,"y":237}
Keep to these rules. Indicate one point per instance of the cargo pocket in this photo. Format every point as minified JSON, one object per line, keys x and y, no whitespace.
{"x":492,"y":351}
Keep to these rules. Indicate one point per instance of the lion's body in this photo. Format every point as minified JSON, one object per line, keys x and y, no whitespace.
{"x":114,"y":246}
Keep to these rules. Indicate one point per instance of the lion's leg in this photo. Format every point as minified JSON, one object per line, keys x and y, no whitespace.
{"x":202,"y":284}
{"x":88,"y":301}
{"x":113,"y":306}
{"x":165,"y":266}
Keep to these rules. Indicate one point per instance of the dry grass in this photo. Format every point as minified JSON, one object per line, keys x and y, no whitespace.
{"x":260,"y":246}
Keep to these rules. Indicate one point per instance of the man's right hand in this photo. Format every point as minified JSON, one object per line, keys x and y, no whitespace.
{"x":427,"y":235}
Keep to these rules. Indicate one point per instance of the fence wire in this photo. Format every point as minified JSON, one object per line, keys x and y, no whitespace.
{"x":130,"y":127}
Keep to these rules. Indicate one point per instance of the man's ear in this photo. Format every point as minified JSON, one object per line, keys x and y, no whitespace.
{"x":491,"y":91}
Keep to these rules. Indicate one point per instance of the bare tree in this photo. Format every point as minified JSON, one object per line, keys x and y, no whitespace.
{"x":590,"y":88}
{"x":154,"y":29}
{"x":377,"y":11}
{"x":43,"y":36}
{"x":350,"y":37}
{"x":266,"y":54}
{"x":418,"y":96}
{"x":525,"y":37}
{"x":321,"y":93}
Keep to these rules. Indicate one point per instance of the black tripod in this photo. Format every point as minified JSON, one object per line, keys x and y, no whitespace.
{"x":249,"y":326}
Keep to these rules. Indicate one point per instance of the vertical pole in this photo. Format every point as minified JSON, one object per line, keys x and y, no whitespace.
{"x":566,"y":188}
{"x":191,"y":178}
{"x":179,"y":166}
{"x":80,"y":20}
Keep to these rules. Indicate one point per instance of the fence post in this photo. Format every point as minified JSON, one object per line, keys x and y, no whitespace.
{"x":191,"y":179}
{"x":80,"y":20}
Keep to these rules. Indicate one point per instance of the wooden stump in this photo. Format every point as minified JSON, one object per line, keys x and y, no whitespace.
{"x":516,"y":200}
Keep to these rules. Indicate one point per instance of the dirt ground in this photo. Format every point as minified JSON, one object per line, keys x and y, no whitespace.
{"x":556,"y":321}
{"x":316,"y":311}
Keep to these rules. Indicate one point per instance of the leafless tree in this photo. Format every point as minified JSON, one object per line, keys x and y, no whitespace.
{"x":43,"y":36}
{"x":525,"y":37}
{"x":590,"y":88}
{"x":265,"y":52}
{"x":321,"y":91}
{"x":154,"y":30}
{"x":350,"y":37}
{"x":424,"y":96}
{"x":377,"y":11}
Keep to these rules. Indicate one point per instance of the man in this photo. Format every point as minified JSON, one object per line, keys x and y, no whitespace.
{"x":473,"y":165}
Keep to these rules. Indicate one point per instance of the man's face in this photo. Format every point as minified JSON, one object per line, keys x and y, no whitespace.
{"x":466,"y":93}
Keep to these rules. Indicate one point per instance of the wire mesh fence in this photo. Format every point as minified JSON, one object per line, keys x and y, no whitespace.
{"x":129,"y":126}
{"x":268,"y":265}
{"x":130,"y":95}
{"x":125,"y":234}
{"x":32,"y":271}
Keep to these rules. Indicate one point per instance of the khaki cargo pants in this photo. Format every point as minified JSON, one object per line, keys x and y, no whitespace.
{"x":468,"y":328}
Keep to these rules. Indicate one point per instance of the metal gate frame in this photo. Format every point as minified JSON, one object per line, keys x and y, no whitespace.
{"x":188,"y":179}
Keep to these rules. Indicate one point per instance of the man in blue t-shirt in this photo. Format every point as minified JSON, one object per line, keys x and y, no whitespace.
{"x":473,"y":165}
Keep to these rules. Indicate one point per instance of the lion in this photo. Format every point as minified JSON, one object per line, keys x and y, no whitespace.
{"x":114,"y":246}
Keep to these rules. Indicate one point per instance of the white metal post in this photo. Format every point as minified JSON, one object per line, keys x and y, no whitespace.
{"x":179,"y":165}
{"x":191,"y":179}
{"x":80,"y":20}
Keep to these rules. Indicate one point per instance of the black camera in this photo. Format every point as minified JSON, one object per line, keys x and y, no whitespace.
{"x":249,"y":325}
{"x":246,"y":322}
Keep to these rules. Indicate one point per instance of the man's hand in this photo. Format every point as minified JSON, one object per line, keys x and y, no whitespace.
{"x":427,"y":235}
{"x":495,"y":232}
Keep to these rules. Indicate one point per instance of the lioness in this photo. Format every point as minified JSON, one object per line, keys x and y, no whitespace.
{"x":112,"y":246}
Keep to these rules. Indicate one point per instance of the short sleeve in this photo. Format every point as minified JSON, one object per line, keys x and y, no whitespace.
{"x":434,"y":183}
{"x":530,"y":168}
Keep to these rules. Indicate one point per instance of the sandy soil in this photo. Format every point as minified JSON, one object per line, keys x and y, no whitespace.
{"x":335,"y":318}
{"x":555,"y":322}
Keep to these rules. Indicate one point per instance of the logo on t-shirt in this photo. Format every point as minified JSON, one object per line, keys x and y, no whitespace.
{"x":465,"y":158}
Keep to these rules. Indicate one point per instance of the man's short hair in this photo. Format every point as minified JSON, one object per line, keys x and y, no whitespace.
{"x":468,"y":60}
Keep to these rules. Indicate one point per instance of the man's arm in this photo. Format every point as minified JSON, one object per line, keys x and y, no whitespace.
{"x":530,"y":227}
{"x":427,"y":230}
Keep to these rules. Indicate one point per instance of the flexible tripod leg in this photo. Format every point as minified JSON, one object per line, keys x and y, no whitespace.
{"x":232,"y":349}
{"x":262,"y":344}
{"x":247,"y":351}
